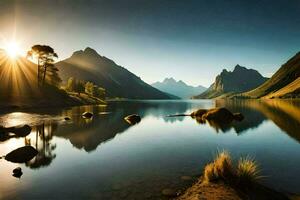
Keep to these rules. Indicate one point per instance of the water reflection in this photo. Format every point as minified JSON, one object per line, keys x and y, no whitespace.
{"x":117,"y":160}
{"x":284,"y":113}
{"x":44,"y":134}
{"x":40,"y":135}
{"x":107,"y":122}
{"x":253,"y":118}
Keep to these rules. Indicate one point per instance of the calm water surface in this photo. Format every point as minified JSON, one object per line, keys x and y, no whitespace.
{"x":106,"y":158}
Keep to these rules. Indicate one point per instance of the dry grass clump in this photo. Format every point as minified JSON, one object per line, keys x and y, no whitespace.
{"x":222,"y":168}
{"x":223,"y":165}
{"x":248,"y":171}
{"x":209,"y":173}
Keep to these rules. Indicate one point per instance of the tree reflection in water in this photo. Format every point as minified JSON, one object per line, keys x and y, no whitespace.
{"x":44,"y":146}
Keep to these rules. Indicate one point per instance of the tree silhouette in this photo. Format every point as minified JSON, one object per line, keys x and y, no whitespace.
{"x":52,"y":75}
{"x":45,"y":58}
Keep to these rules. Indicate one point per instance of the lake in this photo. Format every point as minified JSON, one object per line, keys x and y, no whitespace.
{"x":106,"y":158}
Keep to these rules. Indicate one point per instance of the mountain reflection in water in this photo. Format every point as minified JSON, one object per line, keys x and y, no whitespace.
{"x":157,"y":139}
{"x":284,"y":113}
{"x":108,"y":121}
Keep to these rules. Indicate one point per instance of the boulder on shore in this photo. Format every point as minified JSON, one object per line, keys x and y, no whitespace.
{"x":133,"y":119}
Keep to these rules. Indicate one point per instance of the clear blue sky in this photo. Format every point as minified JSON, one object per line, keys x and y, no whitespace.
{"x":188,"y":40}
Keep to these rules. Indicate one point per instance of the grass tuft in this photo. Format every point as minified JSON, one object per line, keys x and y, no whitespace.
{"x":220,"y":168}
{"x":248,"y":171}
{"x":209,"y":173}
{"x":223,"y":165}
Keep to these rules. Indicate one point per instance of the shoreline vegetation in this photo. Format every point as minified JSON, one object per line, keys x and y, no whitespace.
{"x":50,"y":97}
{"x":224,"y":179}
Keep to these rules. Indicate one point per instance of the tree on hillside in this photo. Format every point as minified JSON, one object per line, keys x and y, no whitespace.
{"x":71,"y":85}
{"x":52,"y":75}
{"x":80,"y":86}
{"x":44,"y":56}
{"x":100,"y":92}
{"x":74,"y":85}
{"x":94,"y":90}
{"x":89,"y":87}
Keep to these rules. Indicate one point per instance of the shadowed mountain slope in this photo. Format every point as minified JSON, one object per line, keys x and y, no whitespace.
{"x":88,"y":65}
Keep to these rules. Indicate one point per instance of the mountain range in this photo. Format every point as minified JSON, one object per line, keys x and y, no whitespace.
{"x":88,"y":65}
{"x":227,"y":83}
{"x":178,"y":88}
{"x":285,"y":83}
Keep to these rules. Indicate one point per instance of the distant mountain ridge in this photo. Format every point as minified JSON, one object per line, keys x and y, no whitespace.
{"x":241,"y":79}
{"x":178,"y":88}
{"x":88,"y":65}
{"x":285,"y":83}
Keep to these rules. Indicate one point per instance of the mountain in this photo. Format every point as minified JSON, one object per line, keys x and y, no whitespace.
{"x":178,"y":88}
{"x":88,"y":65}
{"x":285,"y":83}
{"x":239,"y":80}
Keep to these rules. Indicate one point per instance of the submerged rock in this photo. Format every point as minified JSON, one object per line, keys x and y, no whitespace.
{"x":186,"y":178}
{"x":133,"y":119}
{"x":67,"y":118}
{"x":87,"y":114}
{"x":17,"y":172}
{"x":21,"y":155}
{"x":169,"y":192}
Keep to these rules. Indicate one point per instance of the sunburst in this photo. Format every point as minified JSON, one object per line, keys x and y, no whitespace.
{"x":12,"y":49}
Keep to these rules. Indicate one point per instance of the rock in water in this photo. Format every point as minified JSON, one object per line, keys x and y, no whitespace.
{"x":133,"y":119}
{"x":22,"y":154}
{"x":198,"y":113}
{"x":23,"y":131}
{"x":19,"y":131}
{"x":67,"y":118}
{"x":17,"y":172}
{"x":238,"y":116}
{"x":87,"y":115}
{"x":219,"y":114}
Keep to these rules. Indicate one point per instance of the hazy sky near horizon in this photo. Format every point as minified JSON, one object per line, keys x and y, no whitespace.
{"x":190,"y":40}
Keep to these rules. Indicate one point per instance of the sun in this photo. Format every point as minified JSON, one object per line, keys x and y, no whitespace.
{"x":12,"y":49}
